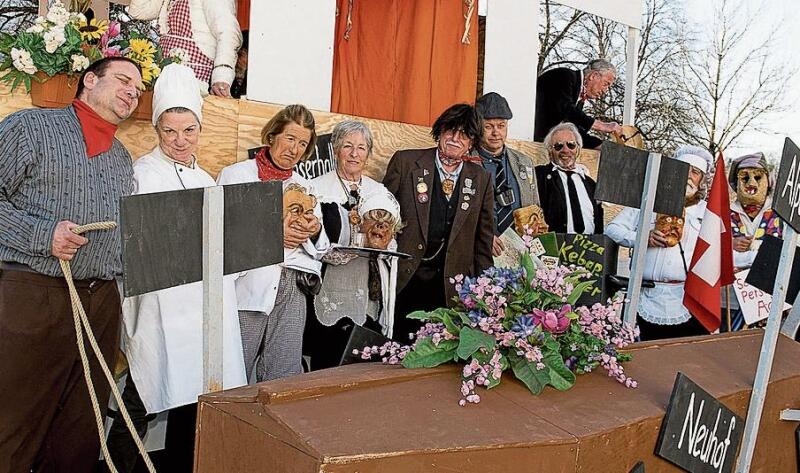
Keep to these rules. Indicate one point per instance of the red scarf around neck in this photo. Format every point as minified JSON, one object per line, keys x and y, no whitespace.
{"x":267,"y":171}
{"x":98,"y":134}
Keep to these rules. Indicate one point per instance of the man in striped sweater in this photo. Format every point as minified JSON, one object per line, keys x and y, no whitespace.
{"x":58,"y":169}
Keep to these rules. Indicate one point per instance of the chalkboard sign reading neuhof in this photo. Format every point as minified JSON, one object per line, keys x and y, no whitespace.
{"x":595,"y":253}
{"x":786,"y":201}
{"x":699,"y":434}
{"x":320,"y":162}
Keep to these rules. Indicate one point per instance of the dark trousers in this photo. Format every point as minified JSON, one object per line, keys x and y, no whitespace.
{"x":425,"y":291}
{"x":651,"y":331}
{"x":46,"y":418}
{"x":121,"y":446}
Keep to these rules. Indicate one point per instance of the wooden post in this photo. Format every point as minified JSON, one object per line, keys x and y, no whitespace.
{"x":642,"y":234}
{"x":767,"y":351}
{"x":213,"y":208}
{"x":631,"y":76}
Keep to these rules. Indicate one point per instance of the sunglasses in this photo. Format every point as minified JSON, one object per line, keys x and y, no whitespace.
{"x":572,"y":145}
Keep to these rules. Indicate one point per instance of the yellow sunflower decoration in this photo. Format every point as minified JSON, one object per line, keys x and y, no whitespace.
{"x":142,"y":49}
{"x":93,"y":29}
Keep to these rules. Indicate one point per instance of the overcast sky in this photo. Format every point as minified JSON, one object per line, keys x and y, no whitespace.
{"x":769,"y":16}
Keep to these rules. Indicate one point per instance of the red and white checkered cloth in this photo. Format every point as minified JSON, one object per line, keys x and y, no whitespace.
{"x":179,"y":35}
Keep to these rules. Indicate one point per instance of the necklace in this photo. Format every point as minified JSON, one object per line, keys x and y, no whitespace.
{"x":353,"y":203}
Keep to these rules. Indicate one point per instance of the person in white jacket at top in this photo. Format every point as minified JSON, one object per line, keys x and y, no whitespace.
{"x":208,"y":32}
{"x":162,"y":333}
{"x":661,"y":310}
{"x":272,"y":299}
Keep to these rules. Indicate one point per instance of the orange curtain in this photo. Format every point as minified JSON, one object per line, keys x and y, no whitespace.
{"x":243,"y":14}
{"x":403,"y":60}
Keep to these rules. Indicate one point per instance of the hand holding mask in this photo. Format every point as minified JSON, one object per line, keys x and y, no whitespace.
{"x":671,"y":228}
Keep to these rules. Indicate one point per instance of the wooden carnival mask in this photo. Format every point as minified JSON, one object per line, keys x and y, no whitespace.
{"x":533,"y":217}
{"x":752,"y":186}
{"x":298,"y":203}
{"x":671,"y":228}
{"x":378,"y":228}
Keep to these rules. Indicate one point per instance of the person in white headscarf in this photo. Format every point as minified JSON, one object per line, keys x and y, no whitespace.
{"x":669,"y":253}
{"x":355,"y":289}
{"x":162,"y":333}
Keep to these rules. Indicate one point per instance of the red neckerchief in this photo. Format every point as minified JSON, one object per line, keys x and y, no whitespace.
{"x":752,"y":209}
{"x":98,"y":134}
{"x":583,"y":95}
{"x":267,"y":171}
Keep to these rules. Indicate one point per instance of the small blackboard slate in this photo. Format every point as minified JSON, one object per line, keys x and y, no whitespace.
{"x":253,"y":225}
{"x":162,"y":234}
{"x":638,"y":468}
{"x":360,"y":337}
{"x":765,"y":268}
{"x":320,"y":162}
{"x":620,"y":179}
{"x":698,"y":434}
{"x":786,"y":198}
{"x":596,"y":253}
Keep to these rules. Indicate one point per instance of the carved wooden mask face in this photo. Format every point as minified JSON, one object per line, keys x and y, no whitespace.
{"x":671,"y":227}
{"x":378,"y":229}
{"x":533,"y":217}
{"x":752,"y":185}
{"x":297,"y":202}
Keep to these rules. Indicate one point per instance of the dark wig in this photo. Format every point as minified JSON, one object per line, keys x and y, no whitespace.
{"x":99,"y":67}
{"x":460,"y":117}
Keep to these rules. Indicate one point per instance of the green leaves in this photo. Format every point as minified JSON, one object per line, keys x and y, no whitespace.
{"x":442,"y":315}
{"x":427,"y":355}
{"x":526,"y":372}
{"x":561,"y":377}
{"x":472,"y":340}
{"x":579,"y":289}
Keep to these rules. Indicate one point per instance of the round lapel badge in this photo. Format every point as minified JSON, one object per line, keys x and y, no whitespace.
{"x":422,"y":197}
{"x":422,"y":187}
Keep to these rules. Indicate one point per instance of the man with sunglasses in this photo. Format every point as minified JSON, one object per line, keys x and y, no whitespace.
{"x":60,"y":168}
{"x":566,"y":190}
{"x":512,"y":171}
{"x":561,"y":94}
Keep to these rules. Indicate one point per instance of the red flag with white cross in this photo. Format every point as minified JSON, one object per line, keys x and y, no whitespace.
{"x":712,"y":261}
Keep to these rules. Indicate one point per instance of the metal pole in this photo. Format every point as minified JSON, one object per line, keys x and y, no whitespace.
{"x":213,"y":209}
{"x":642,"y":234}
{"x":767,"y":351}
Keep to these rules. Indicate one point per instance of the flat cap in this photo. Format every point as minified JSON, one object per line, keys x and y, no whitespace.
{"x":493,"y":105}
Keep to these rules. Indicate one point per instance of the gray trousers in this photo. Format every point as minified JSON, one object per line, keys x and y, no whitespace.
{"x":275,"y":340}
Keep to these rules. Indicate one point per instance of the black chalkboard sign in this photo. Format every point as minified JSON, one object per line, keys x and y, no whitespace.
{"x":765,"y":268}
{"x":699,"y":434}
{"x":596,"y":253}
{"x":162,"y":234}
{"x":786,"y":199}
{"x":320,"y":162}
{"x":620,"y":179}
{"x":638,"y":468}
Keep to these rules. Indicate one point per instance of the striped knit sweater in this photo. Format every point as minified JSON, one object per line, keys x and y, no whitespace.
{"x":45,"y":177}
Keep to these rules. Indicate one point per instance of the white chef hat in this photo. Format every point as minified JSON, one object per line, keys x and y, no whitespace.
{"x":695,"y":156}
{"x":382,"y":200}
{"x":176,"y":86}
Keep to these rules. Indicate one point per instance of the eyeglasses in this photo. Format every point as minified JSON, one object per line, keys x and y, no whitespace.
{"x":572,"y":145}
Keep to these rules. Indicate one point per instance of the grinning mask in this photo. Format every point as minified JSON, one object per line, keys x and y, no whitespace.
{"x":671,"y":227}
{"x":533,"y":217}
{"x":751,"y":187}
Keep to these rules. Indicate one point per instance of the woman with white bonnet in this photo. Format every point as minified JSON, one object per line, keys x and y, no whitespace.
{"x":355,"y":289}
{"x":162,"y":334}
{"x":669,"y":253}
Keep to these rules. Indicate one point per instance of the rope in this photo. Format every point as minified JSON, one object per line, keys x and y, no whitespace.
{"x":81,"y":324}
{"x":468,"y":20}
{"x":349,"y":26}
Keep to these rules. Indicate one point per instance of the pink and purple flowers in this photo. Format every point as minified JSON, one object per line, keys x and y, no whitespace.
{"x":524,"y":319}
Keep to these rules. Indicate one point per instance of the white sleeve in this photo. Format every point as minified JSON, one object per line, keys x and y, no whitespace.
{"x":145,"y":9}
{"x":224,"y":27}
{"x":623,"y":228}
{"x":744,"y":259}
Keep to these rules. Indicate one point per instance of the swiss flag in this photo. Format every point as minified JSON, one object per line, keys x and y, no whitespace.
{"x":712,"y":261}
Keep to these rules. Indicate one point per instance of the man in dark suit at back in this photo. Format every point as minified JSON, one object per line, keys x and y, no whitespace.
{"x":561,"y":94}
{"x":566,"y":190}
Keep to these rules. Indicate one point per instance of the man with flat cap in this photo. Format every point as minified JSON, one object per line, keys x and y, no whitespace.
{"x":512,"y":172}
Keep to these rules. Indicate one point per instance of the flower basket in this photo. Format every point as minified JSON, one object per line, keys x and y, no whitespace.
{"x":59,"y":90}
